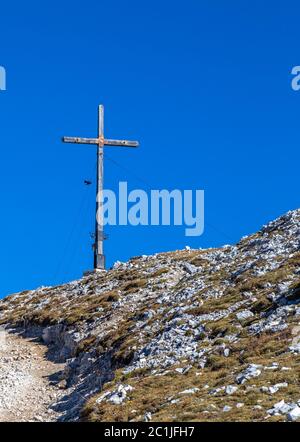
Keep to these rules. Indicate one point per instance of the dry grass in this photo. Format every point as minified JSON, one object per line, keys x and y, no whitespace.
{"x":154,"y":393}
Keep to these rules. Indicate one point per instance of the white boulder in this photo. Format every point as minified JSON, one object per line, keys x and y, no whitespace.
{"x":294,"y":414}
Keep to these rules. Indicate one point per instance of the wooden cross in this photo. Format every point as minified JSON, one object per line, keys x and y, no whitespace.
{"x":100,"y":142}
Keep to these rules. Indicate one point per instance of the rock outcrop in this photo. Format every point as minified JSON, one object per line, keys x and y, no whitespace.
{"x":187,"y":335}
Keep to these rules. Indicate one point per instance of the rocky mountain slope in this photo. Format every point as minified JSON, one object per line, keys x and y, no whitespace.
{"x":190,"y":335}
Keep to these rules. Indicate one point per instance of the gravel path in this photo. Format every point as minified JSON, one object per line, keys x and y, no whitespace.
{"x":26,"y":393}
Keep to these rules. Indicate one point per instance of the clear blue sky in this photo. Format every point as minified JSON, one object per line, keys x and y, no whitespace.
{"x":205,"y":87}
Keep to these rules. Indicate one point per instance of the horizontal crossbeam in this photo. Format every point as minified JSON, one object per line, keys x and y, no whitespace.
{"x":125,"y":143}
{"x":79,"y":140}
{"x":100,"y":141}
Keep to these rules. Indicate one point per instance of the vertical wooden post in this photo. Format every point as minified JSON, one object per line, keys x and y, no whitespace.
{"x":99,"y":260}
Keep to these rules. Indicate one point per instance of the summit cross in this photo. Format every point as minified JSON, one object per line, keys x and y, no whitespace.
{"x":100,"y":142}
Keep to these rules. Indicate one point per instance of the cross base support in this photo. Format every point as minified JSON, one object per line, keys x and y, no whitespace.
{"x":99,"y":262}
{"x":93,"y":272}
